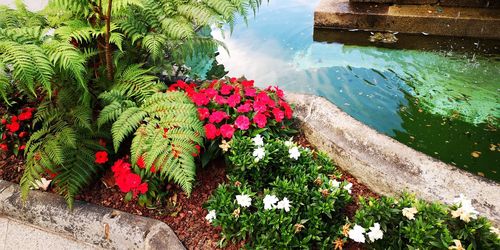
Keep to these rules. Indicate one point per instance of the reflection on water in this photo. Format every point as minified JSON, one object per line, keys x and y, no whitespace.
{"x":446,"y":104}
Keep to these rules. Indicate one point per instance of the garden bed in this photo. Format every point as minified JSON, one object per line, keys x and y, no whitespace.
{"x":185,"y":215}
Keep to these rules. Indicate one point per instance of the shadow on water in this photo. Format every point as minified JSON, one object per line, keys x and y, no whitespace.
{"x":438,"y":95}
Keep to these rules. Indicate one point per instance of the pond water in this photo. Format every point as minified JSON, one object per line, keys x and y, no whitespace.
{"x":445,"y":103}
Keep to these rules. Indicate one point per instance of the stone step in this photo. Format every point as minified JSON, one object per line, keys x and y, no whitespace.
{"x":413,"y":19}
{"x":457,"y":3}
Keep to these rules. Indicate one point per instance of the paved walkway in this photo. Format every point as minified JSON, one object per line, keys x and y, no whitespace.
{"x":15,"y":234}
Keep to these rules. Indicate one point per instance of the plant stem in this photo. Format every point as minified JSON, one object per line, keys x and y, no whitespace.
{"x":109,"y":56}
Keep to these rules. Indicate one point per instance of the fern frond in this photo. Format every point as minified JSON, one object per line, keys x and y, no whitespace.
{"x":128,"y":121}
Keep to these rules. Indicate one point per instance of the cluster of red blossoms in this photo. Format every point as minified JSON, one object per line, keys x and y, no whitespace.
{"x":14,"y":130}
{"x":226,"y":107}
{"x":126,"y":180}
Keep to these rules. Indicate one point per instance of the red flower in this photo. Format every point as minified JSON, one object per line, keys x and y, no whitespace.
{"x":153,"y":169}
{"x":143,"y":188}
{"x":242,"y":122}
{"x":279,"y":115}
{"x":102,"y":142}
{"x":220,"y":100}
{"x":198,"y":150}
{"x":4,"y":121}
{"x":4,"y":147}
{"x":288,"y":110}
{"x":101,"y":157}
{"x":4,"y":136}
{"x":260,"y":120}
{"x":211,"y":131}
{"x":22,"y":147}
{"x":218,"y":116}
{"x":140,"y":162}
{"x":279,"y":92}
{"x":234,"y":100}
{"x":226,"y":89}
{"x":23,"y":134}
{"x":244,"y":108}
{"x":200,"y":99}
{"x":203,"y":113}
{"x":13,"y":119}
{"x":127,"y":182}
{"x":25,"y":116}
{"x":120,"y":167}
{"x":227,"y":131}
{"x":13,"y":127}
{"x":247,"y":83}
{"x":250,"y":92}
{"x":263,"y":97}
{"x":233,"y":79}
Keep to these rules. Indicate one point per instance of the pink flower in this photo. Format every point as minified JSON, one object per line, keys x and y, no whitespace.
{"x":279,"y":115}
{"x":227,"y":131}
{"x":211,"y":131}
{"x":217,"y":116}
{"x":247,"y":83}
{"x":210,"y":92}
{"x":220,"y":100}
{"x":288,"y":109}
{"x":203,"y":113}
{"x":226,"y":89}
{"x":234,"y":100}
{"x":279,"y":92}
{"x":199,"y":99}
{"x":242,"y":122}
{"x":259,"y":106}
{"x":263,"y":97}
{"x":260,"y":120}
{"x":244,"y":108}
{"x":250,"y":92}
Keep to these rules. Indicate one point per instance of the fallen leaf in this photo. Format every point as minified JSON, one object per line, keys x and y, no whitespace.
{"x":476,"y":154}
{"x":480,"y":174}
{"x":106,"y":231}
{"x":42,"y":184}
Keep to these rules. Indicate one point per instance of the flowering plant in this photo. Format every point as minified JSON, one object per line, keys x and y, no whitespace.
{"x":15,"y":130}
{"x":235,"y":107}
{"x":411,"y":223}
{"x":281,"y":197}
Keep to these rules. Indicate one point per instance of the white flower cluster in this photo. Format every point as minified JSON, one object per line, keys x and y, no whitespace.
{"x":357,"y":233}
{"x":258,"y":152}
{"x":465,"y":210}
{"x":336,"y":184}
{"x":211,"y":216}
{"x":271,"y":202}
{"x":293,"y":151}
{"x":409,"y":212}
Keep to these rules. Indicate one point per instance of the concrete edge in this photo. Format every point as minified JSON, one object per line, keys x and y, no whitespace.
{"x":99,"y":226}
{"x":385,"y":165}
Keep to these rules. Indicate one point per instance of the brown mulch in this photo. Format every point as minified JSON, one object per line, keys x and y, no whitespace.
{"x":185,"y":215}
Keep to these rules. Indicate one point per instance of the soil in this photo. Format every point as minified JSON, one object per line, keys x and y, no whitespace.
{"x":185,"y":215}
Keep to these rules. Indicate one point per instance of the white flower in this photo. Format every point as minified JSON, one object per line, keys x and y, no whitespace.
{"x":284,"y":204}
{"x":357,"y":234}
{"x":259,"y":153}
{"x":334,"y":184}
{"x":465,"y":210}
{"x":495,"y":231}
{"x":294,"y":153}
{"x":224,"y":146}
{"x":409,"y":212}
{"x":289,"y":143}
{"x":42,"y":184}
{"x":258,"y":141}
{"x":244,"y":200}
{"x":348,"y":187}
{"x":457,"y":246}
{"x":270,"y":202}
{"x":211,"y":216}
{"x":375,"y":233}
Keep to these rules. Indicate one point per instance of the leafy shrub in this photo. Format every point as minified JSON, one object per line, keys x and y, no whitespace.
{"x":296,"y":201}
{"x":411,"y":223}
{"x":77,"y":51}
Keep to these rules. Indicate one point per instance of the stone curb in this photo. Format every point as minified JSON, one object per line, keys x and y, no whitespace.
{"x":99,"y":226}
{"x":385,"y":165}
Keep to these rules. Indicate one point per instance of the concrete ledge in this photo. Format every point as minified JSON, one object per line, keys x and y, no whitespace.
{"x":385,"y":165}
{"x":413,"y":19}
{"x":88,"y":223}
